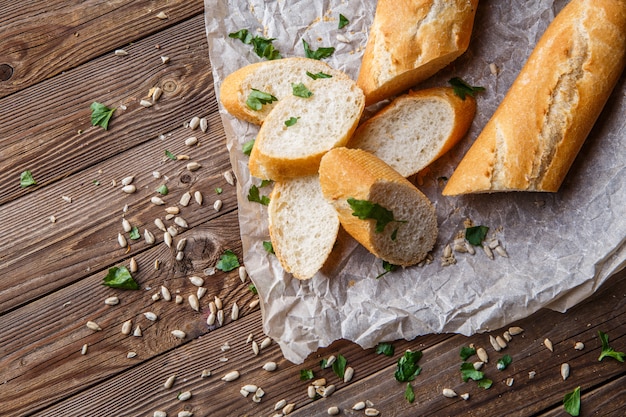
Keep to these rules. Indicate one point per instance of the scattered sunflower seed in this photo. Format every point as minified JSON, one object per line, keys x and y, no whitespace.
{"x":280,"y":404}
{"x":193,"y":166}
{"x":167,"y":238}
{"x":160,"y":225}
{"x":507,"y":336}
{"x":482,"y":355}
{"x":319,"y":382}
{"x":342,"y":38}
{"x":220,"y":317}
{"x":92,"y":325}
{"x":156,"y":174}
{"x":333,"y":411}
{"x":121,"y":240}
{"x":234,"y":313}
{"x":250,"y":388}
{"x":259,"y":392}
{"x":150,"y":316}
{"x":266,"y":342}
{"x":204,"y":124}
{"x":191,"y":141}
{"x":193,"y":302}
{"x":181,"y":222}
{"x":348,"y":374}
{"x":83,"y":351}
{"x":165,"y":292}
{"x":447,"y":392}
{"x":172,"y":210}
{"x":230,"y":376}
{"x":478,"y":365}
{"x":148,"y":237}
{"x":565,"y":371}
{"x":218,"y":302}
{"x":254,"y":303}
{"x":165,"y":59}
{"x":157,"y":201}
{"x":131,"y":355}
{"x":369,"y":404}
{"x":156,"y":296}
{"x":465,"y":396}
{"x":548,"y":343}
{"x":145,"y":103}
{"x":172,"y":231}
{"x":184,"y":396}
{"x":212,"y":307}
{"x":156,"y":94}
{"x":126,"y":225}
{"x":169,"y":382}
{"x":126,"y":327}
{"x":359,"y":406}
{"x":120,"y":52}
{"x":509,"y":381}
{"x":137,"y":332}
{"x":194,"y":123}
{"x":255,"y":348}
{"x":185,"y":413}
{"x":501,"y":342}
{"x":501,"y":251}
{"x":329,"y":362}
{"x":178,"y":299}
{"x":371,"y":412}
{"x":179,"y":334}
{"x":244,"y":392}
{"x":205,"y":373}
{"x":200,"y":292}
{"x":198,"y":197}
{"x":514,"y":331}
{"x":128,"y":180}
{"x":111,"y":301}
{"x":488,"y":252}
{"x":311,"y":392}
{"x":133,"y":267}
{"x":159,"y":413}
{"x":230,"y":179}
{"x":185,"y":199}
{"x":217,"y":206}
{"x":270,"y":366}
{"x":243,"y":275}
{"x":210,"y":320}
{"x":181,"y":246}
{"x":328,"y":391}
{"x":53,"y":219}
{"x":579,"y":346}
{"x":197,"y":281}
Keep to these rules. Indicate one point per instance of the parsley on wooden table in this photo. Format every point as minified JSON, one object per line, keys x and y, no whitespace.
{"x":608,"y":351}
{"x":306,"y":374}
{"x":228,"y":261}
{"x":571,"y":402}
{"x":120,"y":277}
{"x":100,"y":115}
{"x":386,"y":349}
{"x":26,"y":179}
{"x":407,"y":368}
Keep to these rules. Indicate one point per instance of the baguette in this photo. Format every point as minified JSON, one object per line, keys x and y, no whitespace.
{"x":325,"y":120}
{"x":536,"y":132}
{"x":303,"y":226}
{"x":274,"y":77}
{"x":354,"y":173}
{"x":410,"y":40}
{"x":416,"y":128}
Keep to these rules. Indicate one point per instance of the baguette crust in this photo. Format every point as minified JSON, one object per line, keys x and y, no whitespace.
{"x":273,"y":77}
{"x":535,"y":134}
{"x":410,"y":40}
{"x":354,"y":173}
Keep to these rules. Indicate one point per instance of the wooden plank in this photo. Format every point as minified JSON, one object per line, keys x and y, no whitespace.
{"x":43,"y":133}
{"x":39,"y":40}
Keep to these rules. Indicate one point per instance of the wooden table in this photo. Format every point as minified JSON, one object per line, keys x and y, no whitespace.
{"x":60,"y":237}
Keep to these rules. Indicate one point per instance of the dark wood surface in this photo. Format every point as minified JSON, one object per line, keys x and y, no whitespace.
{"x":56,"y":58}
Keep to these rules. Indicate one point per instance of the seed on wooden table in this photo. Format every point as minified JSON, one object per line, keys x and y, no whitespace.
{"x":243,"y":392}
{"x":53,"y":219}
{"x":256,"y":398}
{"x":465,"y":396}
{"x":230,"y":376}
{"x":369,"y":404}
{"x":225,"y":347}
{"x":83,"y":351}
{"x":447,"y":392}
{"x":157,"y":263}
{"x":179,"y":334}
{"x":501,"y":342}
{"x":167,"y":238}
{"x":210,"y":320}
{"x":514,"y":331}
{"x":507,"y":336}
{"x":311,"y":393}
{"x":270,"y":366}
{"x":234,"y":313}
{"x":112,"y":301}
{"x":150,"y":316}
{"x":509,"y":381}
{"x":178,"y":299}
{"x":120,"y":52}
{"x":165,"y":292}
{"x":359,"y":406}
{"x":266,"y":342}
{"x":126,"y":225}
{"x":348,"y":374}
{"x":482,"y":355}
{"x":126,"y":327}
{"x":159,"y":223}
{"x":531,"y":374}
{"x":191,"y":141}
{"x":172,"y":210}
{"x":259,"y":392}
{"x":217,"y":206}
{"x":579,"y":346}
{"x":319,"y":382}
{"x":220,"y":317}
{"x":121,"y":240}
{"x":218,"y":302}
{"x":137,"y":332}
{"x":131,"y":355}
{"x":194,"y":123}
{"x":212,"y":307}
{"x":156,"y":296}
{"x":243,"y":275}
{"x":564,"y":371}
{"x":165,"y":59}
{"x":253,"y":304}
{"x":251,"y":388}
{"x":181,"y":222}
{"x":159,"y":413}
{"x":145,"y":103}
{"x":169,"y":382}
{"x":333,"y":411}
{"x":172,"y":231}
{"x":280,"y":404}
{"x":329,"y":362}
{"x":181,"y":244}
{"x":162,"y":15}
{"x":184,"y":396}
{"x":478,"y":365}
{"x":204,"y":124}
{"x":185,"y":413}
{"x":92,"y":325}
{"x":228,"y":176}
{"x":197,"y":281}
{"x":205,"y":373}
{"x":548,"y":343}
{"x":200,"y":292}
{"x":148,"y":237}
{"x":328,"y":391}
{"x":185,"y":199}
{"x":371,"y":412}
{"x":156,"y":94}
{"x":197,"y":195}
{"x":193,"y":166}
{"x":193,"y":302}
{"x":157,"y":201}
{"x":255,"y":348}
{"x":127,"y":180}
{"x":66,"y":199}
{"x":156,"y":174}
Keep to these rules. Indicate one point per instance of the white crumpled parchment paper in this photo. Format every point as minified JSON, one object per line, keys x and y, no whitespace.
{"x":561,"y":246}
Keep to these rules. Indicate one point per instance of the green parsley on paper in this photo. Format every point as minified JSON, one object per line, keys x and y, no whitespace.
{"x":462,"y":89}
{"x":318,"y":54}
{"x":343,"y":21}
{"x":263,"y":47}
{"x":246,"y":148}
{"x":100,"y":115}
{"x":255,"y":196}
{"x":476,"y":234}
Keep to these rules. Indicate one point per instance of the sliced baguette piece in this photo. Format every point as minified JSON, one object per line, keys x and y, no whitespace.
{"x":416,"y":128}
{"x":536,"y":132}
{"x":274,"y":77}
{"x":410,"y":40}
{"x":354,"y":173}
{"x":325,"y":120}
{"x":303,"y":225}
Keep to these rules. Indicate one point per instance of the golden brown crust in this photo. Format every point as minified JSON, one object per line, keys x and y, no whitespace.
{"x":409,"y":42}
{"x":535,"y":134}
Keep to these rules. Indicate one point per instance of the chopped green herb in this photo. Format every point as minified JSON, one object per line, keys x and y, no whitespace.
{"x":387,"y":267}
{"x":364,"y":210}
{"x":407,"y":367}
{"x":263,"y":47}
{"x":485,"y":383}
{"x":119,"y":277}
{"x":265,"y":183}
{"x":306,"y":374}
{"x":269,"y":248}
{"x":339,"y":366}
{"x":408,"y":393}
{"x":291,"y":121}
{"x":243,"y":35}
{"x":219,"y":190}
{"x":571,"y":402}
{"x":228,"y":261}
{"x":318,"y":75}
{"x":26,"y":179}
{"x":320,"y":53}
{"x":134,"y":233}
{"x":255,"y":197}
{"x":246,"y":148}
{"x":466,"y":352}
{"x":170,"y":155}
{"x":343,"y":21}
{"x":503,"y":362}
{"x":162,"y":190}
{"x":96,"y":182}
{"x":253,"y":289}
{"x":256,"y":99}
{"x":300,"y":90}
{"x":469,"y":372}
{"x":386,"y":349}
{"x":476,"y":234}
{"x":608,"y":351}
{"x":100,"y":115}
{"x":462,"y":89}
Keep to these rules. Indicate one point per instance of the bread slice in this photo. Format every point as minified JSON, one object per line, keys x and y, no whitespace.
{"x":535,"y":134}
{"x":416,"y":128}
{"x":409,"y":41}
{"x":325,"y":120}
{"x":303,"y":225}
{"x":274,"y":77}
{"x":354,"y":173}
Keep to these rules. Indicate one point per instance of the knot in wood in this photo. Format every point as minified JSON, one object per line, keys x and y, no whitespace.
{"x":169,"y":86}
{"x":6,"y":72}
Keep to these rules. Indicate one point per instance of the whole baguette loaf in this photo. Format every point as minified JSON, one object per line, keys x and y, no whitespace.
{"x":410,"y":40}
{"x":535,"y":134}
{"x":303,"y":226}
{"x":356,"y":174}
{"x":323,"y":121}
{"x":416,"y":128}
{"x":274,"y":77}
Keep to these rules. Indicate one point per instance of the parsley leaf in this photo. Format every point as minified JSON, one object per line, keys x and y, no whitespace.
{"x":469,"y":372}
{"x":462,"y":89}
{"x":306,"y":374}
{"x":134,"y":233}
{"x":263,"y":47}
{"x":255,"y":197}
{"x":407,"y":367}
{"x":503,"y":362}
{"x":170,"y":155}
{"x":246,"y":148}
{"x":466,"y":352}
{"x":318,"y":75}
{"x":243,"y":35}
{"x":608,"y":351}
{"x":571,"y":402}
{"x":219,"y":190}
{"x":228,"y":261}
{"x":258,"y":98}
{"x":318,"y":54}
{"x":386,"y":349}
{"x":485,"y":383}
{"x":119,"y":277}
{"x":269,"y":248}
{"x":162,"y":189}
{"x":26,"y":179}
{"x":388,"y":267}
{"x":476,"y":234}
{"x":100,"y":115}
{"x":253,"y":289}
{"x":291,"y":121}
{"x":409,"y":394}
{"x":339,"y":366}
{"x":364,"y":210}
{"x":343,"y":21}
{"x":300,"y":90}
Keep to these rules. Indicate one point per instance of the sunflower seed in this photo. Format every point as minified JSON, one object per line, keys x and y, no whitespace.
{"x":145,"y":103}
{"x":228,"y":176}
{"x":169,"y":382}
{"x":159,"y":413}
{"x":223,"y":359}
{"x":501,"y":342}
{"x":359,"y":406}
{"x":280,"y":404}
{"x":255,"y":348}
{"x":507,"y":336}
{"x":194,"y":123}
{"x":501,"y":251}
{"x":230,"y":376}
{"x":165,"y":59}
{"x":92,"y":325}
{"x":148,"y":237}
{"x":167,"y":238}
{"x":266,"y":342}
{"x":156,"y":296}
{"x":121,"y":240}
{"x":200,"y":292}
{"x":234,"y":312}
{"x":509,"y":381}
{"x":250,"y":388}
{"x":488,"y":251}
{"x":181,"y":222}
{"x":259,"y":392}
{"x":120,"y":52}
{"x":185,"y":199}
{"x":53,"y":219}
{"x":371,"y":412}
{"x":126,"y":225}
{"x":179,"y":334}
{"x":243,"y":275}
{"x":131,"y":355}
{"x":311,"y":393}
{"x":465,"y":396}
{"x":181,"y":245}
{"x":178,"y":299}
{"x":244,"y":392}
{"x":225,"y":347}
{"x":137,"y":332}
{"x":369,"y":404}
{"x":156,"y":264}
{"x":253,"y":304}
{"x":204,"y":124}
{"x":333,"y":411}
{"x":270,"y":366}
{"x":172,"y":231}
{"x":447,"y":392}
{"x":193,"y":302}
{"x":197,"y":195}
{"x":494,"y":344}
{"x":156,"y":94}
{"x":342,"y":38}
{"x":111,"y":301}
{"x":185,"y":413}
{"x":181,"y":157}
{"x":184,"y":396}
{"x":548,"y":343}
{"x":218,"y":303}
{"x":579,"y":346}
{"x":328,"y":391}
{"x":217,"y":206}
{"x":197,"y":281}
{"x":220,"y":317}
{"x":329,"y":362}
{"x":126,"y":327}
{"x":478,"y":365}
{"x":348,"y":374}
{"x":160,"y":225}
{"x":514,"y":331}
{"x":165,"y":292}
{"x":482,"y":355}
{"x":172,"y":210}
{"x":212,"y":307}
{"x":127,"y":180}
{"x":150,"y":316}
{"x":447,"y":251}
{"x":83,"y":351}
{"x":564,"y":371}
{"x":256,"y":398}
{"x":319,"y":382}
{"x":157,"y":201}
{"x":205,"y":373}
{"x":193,"y":166}
{"x":191,"y":141}
{"x":470,"y":248}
